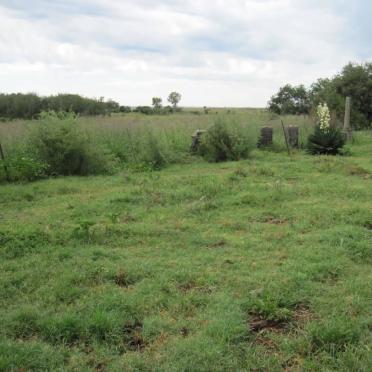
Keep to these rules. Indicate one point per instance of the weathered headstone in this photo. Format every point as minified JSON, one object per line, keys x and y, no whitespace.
{"x":347,"y":126}
{"x":266,"y":138}
{"x":293,"y":136}
{"x":195,"y":140}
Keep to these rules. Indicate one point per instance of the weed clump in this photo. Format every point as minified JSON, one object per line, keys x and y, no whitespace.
{"x":59,"y":143}
{"x":226,"y":141}
{"x":334,"y":335}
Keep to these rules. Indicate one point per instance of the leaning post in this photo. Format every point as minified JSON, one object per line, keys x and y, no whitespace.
{"x":2,"y":157}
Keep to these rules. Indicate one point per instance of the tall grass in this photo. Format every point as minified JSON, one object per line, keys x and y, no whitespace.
{"x":154,"y":141}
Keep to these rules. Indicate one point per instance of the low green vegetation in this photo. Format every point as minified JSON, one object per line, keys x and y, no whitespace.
{"x":260,"y":264}
{"x":226,"y":141}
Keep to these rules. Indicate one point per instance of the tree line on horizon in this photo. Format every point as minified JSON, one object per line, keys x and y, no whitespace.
{"x":31,"y":105}
{"x":355,"y":81}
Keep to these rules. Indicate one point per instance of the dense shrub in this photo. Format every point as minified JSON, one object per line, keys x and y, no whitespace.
{"x":22,"y":167}
{"x":226,"y":141}
{"x":147,"y":110}
{"x":125,"y":109}
{"x":153,"y":155}
{"x":65,"y":148}
{"x":327,"y":142}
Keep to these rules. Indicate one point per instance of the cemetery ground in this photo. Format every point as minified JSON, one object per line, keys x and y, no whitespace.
{"x":262,"y":264}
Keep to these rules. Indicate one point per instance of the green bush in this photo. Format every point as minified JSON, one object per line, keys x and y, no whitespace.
{"x":153,"y":155}
{"x":65,"y":148}
{"x":22,"y":167}
{"x":147,"y":110}
{"x":326,"y":142}
{"x":226,"y":141}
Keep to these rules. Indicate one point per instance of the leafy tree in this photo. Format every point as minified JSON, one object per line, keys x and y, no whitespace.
{"x":354,"y":81}
{"x":112,"y":106}
{"x":174,"y":98}
{"x":125,"y":109}
{"x":147,"y":110}
{"x":156,"y":103}
{"x":290,"y":100}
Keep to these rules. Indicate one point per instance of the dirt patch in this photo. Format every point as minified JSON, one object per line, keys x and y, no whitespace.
{"x":302,"y":315}
{"x":217,"y":244}
{"x":274,"y":220}
{"x":186,"y":287}
{"x":133,"y":336}
{"x":184,"y":332}
{"x":123,"y":279}
{"x":292,"y":365}
{"x":358,"y":171}
{"x":260,"y":324}
{"x":190,"y":286}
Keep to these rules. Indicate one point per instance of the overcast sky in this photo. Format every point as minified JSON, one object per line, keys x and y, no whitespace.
{"x":215,"y":52}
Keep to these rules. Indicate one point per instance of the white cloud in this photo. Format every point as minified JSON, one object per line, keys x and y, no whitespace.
{"x":221,"y":53}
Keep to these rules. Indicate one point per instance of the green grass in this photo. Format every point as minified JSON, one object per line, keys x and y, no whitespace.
{"x":262,"y":264}
{"x":130,"y":137}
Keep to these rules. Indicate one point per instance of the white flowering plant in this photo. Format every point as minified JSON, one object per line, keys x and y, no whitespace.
{"x":326,"y":139}
{"x":324,"y":116}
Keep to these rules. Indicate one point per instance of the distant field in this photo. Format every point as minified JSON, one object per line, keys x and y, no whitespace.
{"x":263,"y":264}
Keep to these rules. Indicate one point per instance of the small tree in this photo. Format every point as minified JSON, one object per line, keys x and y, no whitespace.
{"x":290,"y":100}
{"x":156,"y":103}
{"x":174,"y":98}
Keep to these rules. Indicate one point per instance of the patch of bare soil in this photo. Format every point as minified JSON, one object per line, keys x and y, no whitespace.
{"x":217,"y":244}
{"x":274,"y":221}
{"x":133,"y":336}
{"x":265,"y":328}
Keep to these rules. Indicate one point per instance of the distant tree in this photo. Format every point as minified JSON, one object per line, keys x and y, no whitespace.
{"x":290,"y":100}
{"x":147,"y":110}
{"x":174,"y":98}
{"x":112,"y":106}
{"x":157,"y":103}
{"x":125,"y":109}
{"x":324,"y":90}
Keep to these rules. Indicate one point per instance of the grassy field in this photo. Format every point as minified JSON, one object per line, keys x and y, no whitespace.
{"x":128,"y":136}
{"x":263,"y":264}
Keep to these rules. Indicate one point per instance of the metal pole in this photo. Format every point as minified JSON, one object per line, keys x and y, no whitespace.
{"x":286,"y":139}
